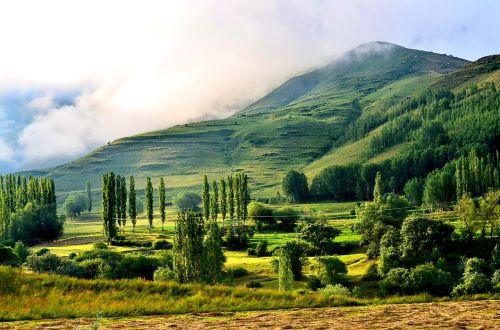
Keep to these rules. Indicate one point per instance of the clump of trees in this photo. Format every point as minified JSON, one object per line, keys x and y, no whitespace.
{"x":268,"y":218}
{"x":295,"y":186}
{"x":28,"y":210}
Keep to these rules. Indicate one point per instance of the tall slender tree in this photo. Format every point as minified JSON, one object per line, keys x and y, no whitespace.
{"x":123,"y":202}
{"x":378,"y":191}
{"x":161,"y":201}
{"x":213,"y":257}
{"x":188,"y":247}
{"x":230,"y":184}
{"x":132,"y":210}
{"x":285,"y":273}
{"x":108,"y":206}
{"x":223,"y":201}
{"x":149,"y":202}
{"x":118,"y":199}
{"x":237,"y":195}
{"x":214,"y":207}
{"x":89,"y":196}
{"x":205,"y":198}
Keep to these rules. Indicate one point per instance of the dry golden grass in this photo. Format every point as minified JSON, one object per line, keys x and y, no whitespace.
{"x":446,"y":315}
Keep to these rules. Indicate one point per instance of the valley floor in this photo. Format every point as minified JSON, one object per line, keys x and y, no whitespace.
{"x":444,"y":315}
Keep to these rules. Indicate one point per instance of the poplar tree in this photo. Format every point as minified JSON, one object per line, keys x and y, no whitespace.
{"x":132,"y":210}
{"x":89,"y":196}
{"x":188,"y":247}
{"x":223,"y":200}
{"x":108,"y":206}
{"x":230,"y":185}
{"x":213,"y":257}
{"x":161,"y":200}
{"x":285,"y":273}
{"x":149,"y":202}
{"x":378,"y":190}
{"x":205,"y":198}
{"x":118,"y":199}
{"x":245,"y":196}
{"x":237,"y":195}
{"x":214,"y":202}
{"x":123,"y":202}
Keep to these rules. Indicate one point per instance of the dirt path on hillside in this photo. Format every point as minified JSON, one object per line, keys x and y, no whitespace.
{"x":449,"y":315}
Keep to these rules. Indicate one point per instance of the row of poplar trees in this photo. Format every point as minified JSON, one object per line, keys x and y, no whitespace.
{"x":114,"y":203}
{"x":233,"y":199}
{"x":16,"y":192}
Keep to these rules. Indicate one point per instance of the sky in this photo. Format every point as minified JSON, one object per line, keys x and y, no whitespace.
{"x":77,"y":74}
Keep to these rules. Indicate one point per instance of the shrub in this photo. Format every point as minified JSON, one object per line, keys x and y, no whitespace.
{"x":396,"y":281}
{"x":42,"y":251}
{"x":314,"y":283}
{"x":473,"y":280}
{"x":162,"y":244}
{"x":495,"y":279}
{"x":21,"y":251}
{"x":164,"y":274}
{"x":238,"y":272}
{"x":261,"y":249}
{"x":335,"y":290}
{"x":45,"y":263}
{"x":286,"y":218}
{"x":187,"y":201}
{"x":8,"y":257}
{"x":91,"y":268}
{"x":260,"y":213}
{"x":134,"y":265}
{"x":253,"y":284}
{"x":121,"y":241}
{"x":237,"y":238}
{"x":251,"y":251}
{"x":371,"y":273}
{"x":357,"y":292}
{"x":427,"y":278}
{"x":332,"y":270}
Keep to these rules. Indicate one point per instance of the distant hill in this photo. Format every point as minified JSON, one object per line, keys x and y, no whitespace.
{"x":297,"y":125}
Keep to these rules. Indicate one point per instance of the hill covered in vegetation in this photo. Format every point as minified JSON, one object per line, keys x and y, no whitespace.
{"x":313,"y":121}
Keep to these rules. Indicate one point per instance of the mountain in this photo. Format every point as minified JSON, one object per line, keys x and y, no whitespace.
{"x":298,"y":125}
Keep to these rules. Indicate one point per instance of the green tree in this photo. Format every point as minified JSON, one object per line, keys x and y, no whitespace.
{"x":75,"y":204}
{"x":118,"y":200}
{"x":89,"y":196}
{"x":161,"y":201}
{"x":414,"y":191}
{"x":213,"y":257}
{"x":205,"y":198}
{"x":132,"y":210}
{"x":214,"y":201}
{"x":319,"y":235}
{"x":378,"y":191}
{"x":109,"y":206}
{"x":149,"y":202}
{"x":187,"y":201}
{"x":295,"y":186}
{"x":285,"y":274}
{"x":188,"y":247}
{"x":230,"y":185}
{"x":223,"y":201}
{"x":466,"y":211}
{"x":123,"y":201}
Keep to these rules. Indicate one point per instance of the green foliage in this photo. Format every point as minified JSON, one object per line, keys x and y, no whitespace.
{"x":287,"y":218}
{"x":314,"y":283}
{"x":285,"y":273}
{"x":236,"y":238}
{"x":162,"y":244}
{"x":237,"y":272}
{"x":414,"y":191}
{"x":395,"y":281}
{"x":253,"y":284}
{"x":89,"y":196}
{"x":295,"y":186}
{"x":109,"y":206}
{"x":428,"y":278}
{"x":319,"y":235}
{"x":223,"y":200}
{"x":473,"y":280}
{"x":188,"y":247}
{"x":132,"y":203}
{"x":261,"y":249}
{"x":21,"y":251}
{"x":149,"y":202}
{"x":371,"y":274}
{"x":296,"y":251}
{"x":163,"y":274}
{"x":332,"y":270}
{"x":439,"y":188}
{"x":75,"y":204}
{"x":335,"y":290}
{"x":8,"y":256}
{"x":205,"y":198}
{"x":213,"y":257}
{"x":261,"y":213}
{"x":187,"y":201}
{"x":161,"y":201}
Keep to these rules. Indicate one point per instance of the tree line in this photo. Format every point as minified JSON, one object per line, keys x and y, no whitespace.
{"x":28,"y":210}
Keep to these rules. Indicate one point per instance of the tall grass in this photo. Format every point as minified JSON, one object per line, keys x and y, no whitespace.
{"x":26,"y":296}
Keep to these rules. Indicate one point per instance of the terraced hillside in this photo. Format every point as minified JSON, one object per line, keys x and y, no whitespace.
{"x":294,"y":126}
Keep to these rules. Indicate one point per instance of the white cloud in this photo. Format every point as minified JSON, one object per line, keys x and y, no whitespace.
{"x":6,"y":152}
{"x":145,"y":65}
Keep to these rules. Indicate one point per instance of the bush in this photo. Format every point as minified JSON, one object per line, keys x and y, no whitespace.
{"x":396,"y":281}
{"x":314,"y":283}
{"x":91,"y":268}
{"x":187,"y":201}
{"x":253,"y":285}
{"x":335,"y":290}
{"x":237,"y":272}
{"x":260,"y":213}
{"x":495,"y":279}
{"x":261,"y":249}
{"x":162,"y":244}
{"x":251,"y":251}
{"x":473,"y":280}
{"x":121,"y":241}
{"x":236,"y":238}
{"x":286,"y":218}
{"x":427,"y":278}
{"x":42,"y":251}
{"x":164,"y":274}
{"x":45,"y":263}
{"x":371,"y":273}
{"x":332,"y":271}
{"x":134,"y":265}
{"x":75,"y":203}
{"x":8,"y":257}
{"x":21,"y":251}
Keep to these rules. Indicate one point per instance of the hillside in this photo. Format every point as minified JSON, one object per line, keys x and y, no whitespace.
{"x":296,"y":124}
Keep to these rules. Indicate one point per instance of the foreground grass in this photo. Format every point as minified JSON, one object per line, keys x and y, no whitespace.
{"x":35,"y":296}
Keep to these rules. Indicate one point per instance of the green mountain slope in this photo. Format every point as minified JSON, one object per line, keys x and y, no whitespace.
{"x":295,"y":125}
